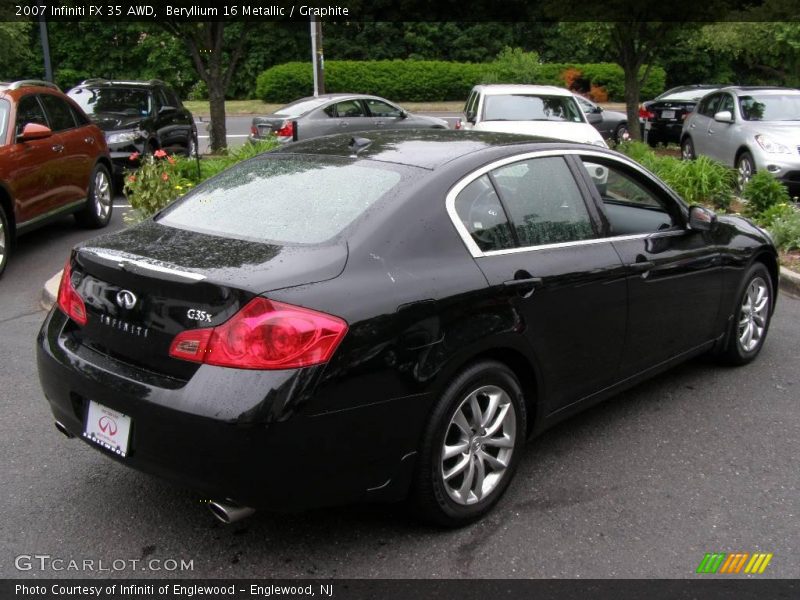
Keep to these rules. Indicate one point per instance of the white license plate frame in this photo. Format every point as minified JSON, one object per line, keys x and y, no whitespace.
{"x":107,"y":428}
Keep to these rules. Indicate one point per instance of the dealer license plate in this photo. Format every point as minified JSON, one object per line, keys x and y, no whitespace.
{"x":667,"y":114}
{"x":107,"y":428}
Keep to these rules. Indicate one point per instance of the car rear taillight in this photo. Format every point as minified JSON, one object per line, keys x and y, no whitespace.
{"x":253,"y":130}
{"x":286,"y":130}
{"x":68,"y":299}
{"x":264,"y":335}
{"x":644,"y":113}
{"x":458,"y":124}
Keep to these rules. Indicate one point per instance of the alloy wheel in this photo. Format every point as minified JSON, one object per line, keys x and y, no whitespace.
{"x":478,"y":444}
{"x":102,"y":195}
{"x":753,"y":315}
{"x":744,"y":172}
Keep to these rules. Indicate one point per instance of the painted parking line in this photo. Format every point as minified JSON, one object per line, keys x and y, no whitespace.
{"x":205,"y":137}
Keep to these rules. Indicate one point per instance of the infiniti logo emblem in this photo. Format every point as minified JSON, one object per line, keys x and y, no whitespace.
{"x":126,"y":299}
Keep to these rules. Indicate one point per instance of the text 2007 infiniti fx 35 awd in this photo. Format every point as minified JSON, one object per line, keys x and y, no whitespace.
{"x":356,"y":319}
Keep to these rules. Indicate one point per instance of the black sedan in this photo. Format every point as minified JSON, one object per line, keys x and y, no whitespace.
{"x":661,"y":119}
{"x":391,"y":317}
{"x":337,"y":113}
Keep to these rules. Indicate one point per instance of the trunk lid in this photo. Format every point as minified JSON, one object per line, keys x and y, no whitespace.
{"x":145,"y":285}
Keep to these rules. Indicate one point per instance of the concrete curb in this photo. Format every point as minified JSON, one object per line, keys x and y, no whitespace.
{"x":789,"y":284}
{"x":50,"y":291}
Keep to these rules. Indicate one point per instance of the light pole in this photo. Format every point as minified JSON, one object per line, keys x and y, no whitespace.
{"x":317,"y":58}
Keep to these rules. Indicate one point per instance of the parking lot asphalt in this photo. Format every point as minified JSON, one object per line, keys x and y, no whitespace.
{"x":700,"y":459}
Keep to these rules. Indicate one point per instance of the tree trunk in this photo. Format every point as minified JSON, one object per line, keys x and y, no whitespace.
{"x":632,"y":99}
{"x":218,"y":130}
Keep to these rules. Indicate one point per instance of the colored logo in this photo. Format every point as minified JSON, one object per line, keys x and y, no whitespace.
{"x":107,"y":425}
{"x":736,"y":562}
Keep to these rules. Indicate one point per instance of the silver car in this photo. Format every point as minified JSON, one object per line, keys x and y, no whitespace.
{"x":337,"y":113}
{"x":748,"y":128}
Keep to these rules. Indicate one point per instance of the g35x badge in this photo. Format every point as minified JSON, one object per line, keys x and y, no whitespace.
{"x":198,"y":315}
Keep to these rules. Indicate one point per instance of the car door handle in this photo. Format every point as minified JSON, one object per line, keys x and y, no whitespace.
{"x":89,"y":140}
{"x":58,"y":147}
{"x":641,"y":266}
{"x":526,"y":286}
{"x":692,"y":126}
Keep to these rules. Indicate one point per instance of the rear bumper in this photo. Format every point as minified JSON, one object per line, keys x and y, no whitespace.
{"x":235,"y":434}
{"x":665,"y":132}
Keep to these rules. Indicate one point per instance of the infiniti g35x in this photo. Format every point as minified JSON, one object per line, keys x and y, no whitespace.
{"x":374,"y":319}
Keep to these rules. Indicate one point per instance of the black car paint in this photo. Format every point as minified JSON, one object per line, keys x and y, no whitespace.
{"x":667,"y":130}
{"x":349,"y":430}
{"x":168,"y":127}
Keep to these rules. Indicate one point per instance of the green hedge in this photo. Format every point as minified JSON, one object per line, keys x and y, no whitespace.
{"x":430,"y":81}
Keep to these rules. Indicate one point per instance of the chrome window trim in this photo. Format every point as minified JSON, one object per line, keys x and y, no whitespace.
{"x":476,"y":252}
{"x":124,"y":258}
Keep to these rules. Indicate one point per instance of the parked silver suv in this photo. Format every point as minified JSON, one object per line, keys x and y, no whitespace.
{"x":749,"y":128}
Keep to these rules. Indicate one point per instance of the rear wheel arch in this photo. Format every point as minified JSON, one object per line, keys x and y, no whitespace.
{"x":7,"y":205}
{"x":513,"y":358}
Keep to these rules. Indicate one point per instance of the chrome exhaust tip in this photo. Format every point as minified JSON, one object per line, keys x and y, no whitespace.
{"x":62,"y":429}
{"x":228,"y":513}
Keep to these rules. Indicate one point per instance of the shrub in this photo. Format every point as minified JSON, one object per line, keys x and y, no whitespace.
{"x":161,"y":179}
{"x":430,"y":80}
{"x":785,"y":232}
{"x":762,"y":192}
{"x":775,"y":212}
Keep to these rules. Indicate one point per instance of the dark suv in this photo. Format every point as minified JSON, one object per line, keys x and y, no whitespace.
{"x":137,"y":116}
{"x":53,"y":161}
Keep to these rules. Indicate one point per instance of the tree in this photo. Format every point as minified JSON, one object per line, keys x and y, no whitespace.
{"x":16,"y":55}
{"x":215,"y":57}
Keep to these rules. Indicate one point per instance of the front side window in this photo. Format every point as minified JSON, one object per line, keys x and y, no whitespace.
{"x":29,"y":111}
{"x":59,"y":113}
{"x":708,"y":107}
{"x":381,"y":109}
{"x":630,"y":206}
{"x":725,"y":103}
{"x":528,"y":107}
{"x":294,"y":200}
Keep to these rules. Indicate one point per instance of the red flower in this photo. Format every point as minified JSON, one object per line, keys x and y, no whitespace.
{"x":134,"y":156}
{"x":171,"y":160}
{"x":165,"y":177}
{"x":159,"y":153}
{"x":132,"y":179}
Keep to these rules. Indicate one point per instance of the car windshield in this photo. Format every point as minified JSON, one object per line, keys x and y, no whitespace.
{"x":770,"y":107}
{"x":693,"y":95}
{"x":126,"y":101}
{"x":4,"y":110}
{"x":293,"y":200}
{"x":297,"y":109}
{"x":530,"y":107}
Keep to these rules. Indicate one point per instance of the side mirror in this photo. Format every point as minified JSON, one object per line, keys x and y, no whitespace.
{"x":166,"y":109}
{"x":403,"y":114}
{"x":34,"y":131}
{"x":724,"y":116}
{"x":594,"y":117}
{"x":598,"y":109}
{"x":701,"y":218}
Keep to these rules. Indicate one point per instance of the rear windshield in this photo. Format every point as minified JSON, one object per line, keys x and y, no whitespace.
{"x":525,"y":107}
{"x":770,"y":107}
{"x":3,"y":121}
{"x":693,"y":94}
{"x":292,"y":200}
{"x":297,"y":109}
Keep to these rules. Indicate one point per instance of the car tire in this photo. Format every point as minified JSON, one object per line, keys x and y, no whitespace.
{"x":481,"y":419}
{"x":687,"y":149}
{"x":99,"y":202}
{"x":621,"y":133}
{"x":653,"y":140}
{"x":745,"y":169}
{"x":5,"y":240}
{"x":750,"y":323}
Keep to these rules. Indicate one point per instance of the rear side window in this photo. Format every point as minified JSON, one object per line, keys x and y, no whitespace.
{"x":295,"y":200}
{"x":348,"y":109}
{"x":483,"y":216}
{"x":544,"y":202}
{"x":4,"y":110}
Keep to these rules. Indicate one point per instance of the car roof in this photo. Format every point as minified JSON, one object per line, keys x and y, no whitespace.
{"x":119,"y":83}
{"x":519,"y":88}
{"x":766,"y":90}
{"x":425,"y":148}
